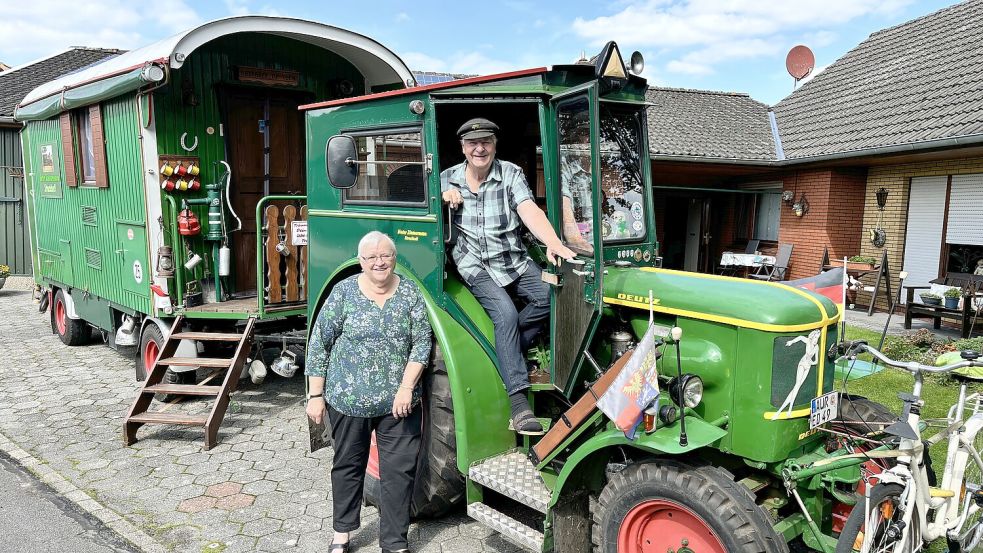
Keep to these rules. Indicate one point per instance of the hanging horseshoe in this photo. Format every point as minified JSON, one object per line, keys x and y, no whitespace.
{"x":187,"y":148}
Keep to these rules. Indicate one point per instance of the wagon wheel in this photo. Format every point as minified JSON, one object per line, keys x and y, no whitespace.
{"x":665,"y":505}
{"x":72,"y":332}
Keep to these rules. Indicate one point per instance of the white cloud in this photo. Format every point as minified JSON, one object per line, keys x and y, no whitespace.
{"x":54,"y":25}
{"x":702,"y":33}
{"x":472,"y":63}
{"x":244,"y":7}
{"x":402,"y":17}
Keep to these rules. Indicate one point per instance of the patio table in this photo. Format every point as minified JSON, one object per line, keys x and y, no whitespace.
{"x":746,"y":259}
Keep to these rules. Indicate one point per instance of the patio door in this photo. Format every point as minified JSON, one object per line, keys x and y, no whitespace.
{"x":923,"y":238}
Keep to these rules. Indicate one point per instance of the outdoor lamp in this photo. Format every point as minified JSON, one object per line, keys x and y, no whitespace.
{"x":801,"y":207}
{"x":788,"y":196}
{"x":881,"y":197}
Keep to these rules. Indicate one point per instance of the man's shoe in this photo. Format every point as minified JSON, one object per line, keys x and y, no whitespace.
{"x":525,"y":422}
{"x":395,"y":551}
{"x":339,"y":547}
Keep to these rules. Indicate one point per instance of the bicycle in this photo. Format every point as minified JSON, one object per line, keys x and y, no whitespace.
{"x":905,"y":511}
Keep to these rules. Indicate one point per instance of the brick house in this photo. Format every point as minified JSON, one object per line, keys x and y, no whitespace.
{"x":902,"y":111}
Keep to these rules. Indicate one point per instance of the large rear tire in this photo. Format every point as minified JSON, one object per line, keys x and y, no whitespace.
{"x":438,"y":485}
{"x":72,"y":332}
{"x":665,"y":505}
{"x":885,"y":516}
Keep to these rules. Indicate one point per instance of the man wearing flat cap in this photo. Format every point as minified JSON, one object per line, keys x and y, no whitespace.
{"x":492,"y":201}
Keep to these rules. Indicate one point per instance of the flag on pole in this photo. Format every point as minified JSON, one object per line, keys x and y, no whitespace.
{"x":635,"y":388}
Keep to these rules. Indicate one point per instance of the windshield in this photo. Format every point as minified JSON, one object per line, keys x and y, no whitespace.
{"x":573,"y":138}
{"x":622,"y":193}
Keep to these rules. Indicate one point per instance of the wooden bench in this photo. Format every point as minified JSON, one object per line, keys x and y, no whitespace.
{"x":971,"y":285}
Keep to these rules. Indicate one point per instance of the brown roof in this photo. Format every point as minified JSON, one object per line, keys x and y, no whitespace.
{"x":15,"y":83}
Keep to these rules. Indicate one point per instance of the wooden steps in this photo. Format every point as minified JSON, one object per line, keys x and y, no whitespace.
{"x":140,"y":414}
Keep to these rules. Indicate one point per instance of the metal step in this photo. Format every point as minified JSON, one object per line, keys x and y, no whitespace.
{"x":508,"y":527}
{"x":513,"y":475}
{"x":168,"y":418}
{"x":196,"y":362}
{"x":183,"y":389}
{"x":208,"y":336}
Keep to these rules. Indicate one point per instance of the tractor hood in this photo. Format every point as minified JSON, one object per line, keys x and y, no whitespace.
{"x":747,"y":303}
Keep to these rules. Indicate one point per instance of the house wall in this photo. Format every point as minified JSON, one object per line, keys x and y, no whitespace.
{"x":836,"y":204}
{"x":897,"y":180}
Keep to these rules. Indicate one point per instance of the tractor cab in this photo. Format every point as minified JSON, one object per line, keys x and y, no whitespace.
{"x":576,"y":131}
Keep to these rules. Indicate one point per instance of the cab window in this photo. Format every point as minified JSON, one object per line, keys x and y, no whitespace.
{"x":622,"y":194}
{"x":573,"y":129}
{"x":388,"y":178}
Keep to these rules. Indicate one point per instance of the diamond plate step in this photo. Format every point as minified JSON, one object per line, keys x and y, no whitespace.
{"x":513,"y":475}
{"x":508,"y":527}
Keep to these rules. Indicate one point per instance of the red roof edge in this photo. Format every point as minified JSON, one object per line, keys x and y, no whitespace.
{"x":426,"y":88}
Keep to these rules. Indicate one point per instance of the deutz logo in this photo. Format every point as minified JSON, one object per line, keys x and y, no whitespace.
{"x":632,"y":297}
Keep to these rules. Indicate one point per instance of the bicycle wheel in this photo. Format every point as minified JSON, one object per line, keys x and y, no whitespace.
{"x":884,"y":524}
{"x":970,"y":537}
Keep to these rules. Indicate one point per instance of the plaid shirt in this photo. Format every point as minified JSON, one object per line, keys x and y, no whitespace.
{"x":488,"y":224}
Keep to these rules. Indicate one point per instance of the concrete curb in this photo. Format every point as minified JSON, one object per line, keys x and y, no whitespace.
{"x":83,"y":501}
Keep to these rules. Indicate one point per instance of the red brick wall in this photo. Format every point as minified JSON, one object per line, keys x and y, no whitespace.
{"x":834,"y":219}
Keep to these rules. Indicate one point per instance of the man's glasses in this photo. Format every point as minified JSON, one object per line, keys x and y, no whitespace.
{"x":387,"y":257}
{"x":473,"y":144}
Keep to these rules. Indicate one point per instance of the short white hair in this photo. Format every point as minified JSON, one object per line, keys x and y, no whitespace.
{"x":374,"y":237}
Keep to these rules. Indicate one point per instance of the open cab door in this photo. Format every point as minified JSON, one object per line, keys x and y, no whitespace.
{"x":576,"y":305}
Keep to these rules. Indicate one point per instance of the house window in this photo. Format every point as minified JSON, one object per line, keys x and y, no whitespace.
{"x":395,"y":173}
{"x":757,"y":212}
{"x":83,"y":147}
{"x":767,"y":215}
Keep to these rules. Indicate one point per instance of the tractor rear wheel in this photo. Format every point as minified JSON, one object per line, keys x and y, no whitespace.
{"x":666,"y":505}
{"x":438,"y":485}
{"x":72,"y":332}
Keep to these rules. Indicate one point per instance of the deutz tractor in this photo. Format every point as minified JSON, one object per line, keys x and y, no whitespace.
{"x":709,"y":470}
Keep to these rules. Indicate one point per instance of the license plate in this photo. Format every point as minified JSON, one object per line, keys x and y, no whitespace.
{"x":823,"y":409}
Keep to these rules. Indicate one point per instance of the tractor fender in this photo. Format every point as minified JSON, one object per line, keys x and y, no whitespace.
{"x":664,"y":441}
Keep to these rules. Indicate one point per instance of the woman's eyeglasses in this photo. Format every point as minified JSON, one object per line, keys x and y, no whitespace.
{"x":387,"y":257}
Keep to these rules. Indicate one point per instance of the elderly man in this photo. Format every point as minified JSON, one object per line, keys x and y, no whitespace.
{"x":494,"y":201}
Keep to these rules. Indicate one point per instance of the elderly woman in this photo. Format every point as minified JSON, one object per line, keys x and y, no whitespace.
{"x":368,"y":348}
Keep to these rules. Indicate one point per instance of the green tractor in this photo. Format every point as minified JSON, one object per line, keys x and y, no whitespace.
{"x":711,"y":471}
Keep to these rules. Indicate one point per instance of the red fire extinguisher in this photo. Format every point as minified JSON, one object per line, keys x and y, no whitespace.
{"x":187,"y":222}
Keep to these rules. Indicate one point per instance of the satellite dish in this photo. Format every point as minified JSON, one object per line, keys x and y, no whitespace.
{"x":800,"y":62}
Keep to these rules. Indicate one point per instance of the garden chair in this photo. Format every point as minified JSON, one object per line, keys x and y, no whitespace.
{"x":777,"y":271}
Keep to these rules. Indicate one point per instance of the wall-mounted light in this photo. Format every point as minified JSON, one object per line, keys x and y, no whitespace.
{"x":788,"y":196}
{"x":881,"y":197}
{"x":801,"y":207}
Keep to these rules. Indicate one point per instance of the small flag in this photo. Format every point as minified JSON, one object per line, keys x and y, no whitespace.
{"x":635,"y":387}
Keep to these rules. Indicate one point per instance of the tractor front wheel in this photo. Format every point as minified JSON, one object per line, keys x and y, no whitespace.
{"x":665,"y":505}
{"x":72,"y":332}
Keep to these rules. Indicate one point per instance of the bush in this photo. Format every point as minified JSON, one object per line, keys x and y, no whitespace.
{"x":863,"y":259}
{"x":4,"y":271}
{"x":953,"y":293}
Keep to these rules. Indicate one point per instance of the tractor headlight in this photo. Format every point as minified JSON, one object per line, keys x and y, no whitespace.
{"x":691,"y":387}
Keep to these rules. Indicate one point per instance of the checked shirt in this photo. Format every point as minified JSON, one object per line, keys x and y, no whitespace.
{"x":488,"y":225}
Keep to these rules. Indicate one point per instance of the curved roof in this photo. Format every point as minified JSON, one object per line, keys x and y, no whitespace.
{"x":379,"y":64}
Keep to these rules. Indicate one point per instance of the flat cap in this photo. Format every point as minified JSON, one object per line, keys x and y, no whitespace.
{"x":478,"y":127}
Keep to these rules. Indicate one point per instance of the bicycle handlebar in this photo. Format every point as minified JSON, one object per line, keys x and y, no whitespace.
{"x":970,"y":359}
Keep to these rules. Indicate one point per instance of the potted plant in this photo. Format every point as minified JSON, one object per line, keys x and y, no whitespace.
{"x":861,"y":262}
{"x":952,"y":298}
{"x":4,"y":273}
{"x":929,"y":298}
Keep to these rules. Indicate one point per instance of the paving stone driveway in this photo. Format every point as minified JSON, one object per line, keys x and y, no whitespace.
{"x":260,"y":489}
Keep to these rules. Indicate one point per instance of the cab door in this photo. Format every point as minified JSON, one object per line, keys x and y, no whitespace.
{"x":574,"y":201}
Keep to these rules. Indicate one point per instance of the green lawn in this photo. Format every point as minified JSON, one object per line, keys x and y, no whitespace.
{"x":938,"y":394}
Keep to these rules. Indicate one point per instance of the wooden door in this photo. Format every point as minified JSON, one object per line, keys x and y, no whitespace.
{"x":253,"y":118}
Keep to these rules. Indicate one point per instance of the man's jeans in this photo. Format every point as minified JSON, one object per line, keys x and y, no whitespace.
{"x":514,"y":330}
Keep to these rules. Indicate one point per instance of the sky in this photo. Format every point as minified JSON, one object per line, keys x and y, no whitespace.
{"x":726,"y":45}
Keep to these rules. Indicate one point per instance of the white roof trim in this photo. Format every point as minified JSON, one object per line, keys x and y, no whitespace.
{"x":379,"y":64}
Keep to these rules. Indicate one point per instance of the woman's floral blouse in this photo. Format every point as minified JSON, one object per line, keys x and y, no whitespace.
{"x":361,"y":350}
